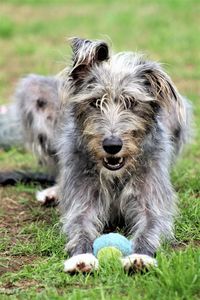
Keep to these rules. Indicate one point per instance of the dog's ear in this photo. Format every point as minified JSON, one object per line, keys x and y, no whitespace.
{"x":159,"y":84}
{"x":161,"y":87}
{"x":85,"y":54}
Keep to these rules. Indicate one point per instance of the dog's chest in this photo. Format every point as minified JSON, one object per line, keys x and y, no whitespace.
{"x":116,"y":192}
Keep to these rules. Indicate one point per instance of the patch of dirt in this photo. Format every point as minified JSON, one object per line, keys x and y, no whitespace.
{"x":14,"y":263}
{"x":184,"y":244}
{"x":16,"y":213}
{"x":18,"y":209}
{"x":10,"y":288}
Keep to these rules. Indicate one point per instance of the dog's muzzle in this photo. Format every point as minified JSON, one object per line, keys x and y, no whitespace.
{"x":112,"y":146}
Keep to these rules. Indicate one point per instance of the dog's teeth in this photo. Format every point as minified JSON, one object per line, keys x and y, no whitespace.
{"x":121,"y":160}
{"x":106,"y":160}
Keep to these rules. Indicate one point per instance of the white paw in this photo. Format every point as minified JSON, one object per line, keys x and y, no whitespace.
{"x":137,"y":262}
{"x":81,"y":263}
{"x":47,"y":195}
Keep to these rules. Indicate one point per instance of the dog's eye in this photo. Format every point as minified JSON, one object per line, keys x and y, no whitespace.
{"x":130,"y":103}
{"x":95,"y":103}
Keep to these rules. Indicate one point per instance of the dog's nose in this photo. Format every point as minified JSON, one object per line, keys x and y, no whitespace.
{"x":112,"y":145}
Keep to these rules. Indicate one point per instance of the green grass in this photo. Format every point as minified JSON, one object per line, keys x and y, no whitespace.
{"x":32,"y":40}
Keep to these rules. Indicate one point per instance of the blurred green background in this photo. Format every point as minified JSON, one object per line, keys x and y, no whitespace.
{"x":33,"y":35}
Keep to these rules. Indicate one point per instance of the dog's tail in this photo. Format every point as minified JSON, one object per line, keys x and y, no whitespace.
{"x":14,"y":177}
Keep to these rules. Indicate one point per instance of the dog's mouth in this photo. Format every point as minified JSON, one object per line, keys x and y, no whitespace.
{"x":113,"y":163}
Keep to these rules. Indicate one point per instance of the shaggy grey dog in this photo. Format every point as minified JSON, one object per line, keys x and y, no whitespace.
{"x":37,"y":105}
{"x":117,"y":130}
{"x":30,"y":121}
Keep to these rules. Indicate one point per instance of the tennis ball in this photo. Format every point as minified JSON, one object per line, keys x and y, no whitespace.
{"x":109,"y":253}
{"x":115,"y":240}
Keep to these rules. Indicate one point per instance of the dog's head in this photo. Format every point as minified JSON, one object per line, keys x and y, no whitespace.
{"x":115,"y":100}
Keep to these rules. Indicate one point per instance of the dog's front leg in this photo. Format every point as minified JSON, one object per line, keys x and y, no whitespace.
{"x":81,"y":227}
{"x":149,"y":215}
{"x":82,"y":224}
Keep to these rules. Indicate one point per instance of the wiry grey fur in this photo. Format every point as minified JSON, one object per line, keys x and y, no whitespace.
{"x":136,"y":101}
{"x":105,"y":95}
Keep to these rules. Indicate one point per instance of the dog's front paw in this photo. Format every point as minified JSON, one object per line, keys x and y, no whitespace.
{"x":138,"y":262}
{"x":84,"y":263}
